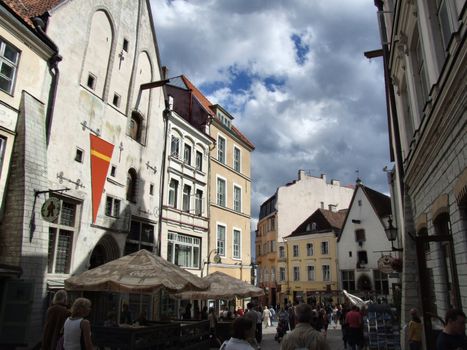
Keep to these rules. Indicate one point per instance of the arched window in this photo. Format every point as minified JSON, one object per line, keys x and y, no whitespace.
{"x":131,"y":185}
{"x":136,"y":126}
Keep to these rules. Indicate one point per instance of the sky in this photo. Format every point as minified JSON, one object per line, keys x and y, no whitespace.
{"x":293,"y":75}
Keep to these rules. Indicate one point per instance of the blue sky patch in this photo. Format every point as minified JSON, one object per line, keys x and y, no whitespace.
{"x":301,"y":49}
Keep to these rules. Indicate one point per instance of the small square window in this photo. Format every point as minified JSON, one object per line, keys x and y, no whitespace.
{"x":79,"y":155}
{"x":125,"y":45}
{"x":91,"y":81}
{"x":151,"y":189}
{"x":116,"y":100}
{"x":113,"y":170}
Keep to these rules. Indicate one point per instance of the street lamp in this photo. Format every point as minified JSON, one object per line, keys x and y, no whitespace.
{"x":391,"y":234}
{"x":216,"y":258}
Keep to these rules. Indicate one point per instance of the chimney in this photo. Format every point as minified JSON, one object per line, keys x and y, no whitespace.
{"x":164,"y":72}
{"x":323,"y":176}
{"x":335,"y":182}
{"x":301,"y":174}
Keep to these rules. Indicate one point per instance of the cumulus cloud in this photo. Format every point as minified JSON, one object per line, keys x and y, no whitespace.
{"x":293,"y":75}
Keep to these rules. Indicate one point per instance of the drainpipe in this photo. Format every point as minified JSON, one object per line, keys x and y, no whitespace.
{"x":54,"y":72}
{"x":390,"y":98}
{"x":165,"y":115}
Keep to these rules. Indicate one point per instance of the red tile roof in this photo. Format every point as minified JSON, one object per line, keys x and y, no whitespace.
{"x":207,"y":105}
{"x":27,"y":9}
{"x":325,"y":220}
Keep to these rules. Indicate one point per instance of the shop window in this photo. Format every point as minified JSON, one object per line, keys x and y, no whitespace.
{"x":183,"y":250}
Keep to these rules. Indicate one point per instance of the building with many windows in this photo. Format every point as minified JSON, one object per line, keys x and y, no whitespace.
{"x":308,"y":259}
{"x":281,"y":214}
{"x":90,"y":148}
{"x":184,"y":219}
{"x":425,"y":58}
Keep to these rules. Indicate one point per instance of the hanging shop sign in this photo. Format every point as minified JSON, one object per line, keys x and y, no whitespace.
{"x":385,"y":264}
{"x":51,"y":209}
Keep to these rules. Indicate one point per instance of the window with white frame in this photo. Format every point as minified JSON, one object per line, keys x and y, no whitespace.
{"x":446,"y":20}
{"x":296,"y":273}
{"x":221,"y":192}
{"x":348,"y":280}
{"x":420,"y":74}
{"x":112,"y":207}
{"x":311,"y":273}
{"x":141,"y":236}
{"x":187,"y":154}
{"x":326,"y":273}
{"x":199,"y":161}
{"x":237,"y":199}
{"x":183,"y":250}
{"x":281,"y":274}
{"x":175,"y":146}
{"x":221,"y":149}
{"x":236,"y":160}
{"x":186,"y":198}
{"x":325,"y":247}
{"x":173,"y":193}
{"x":295,"y":250}
{"x":61,"y":235}
{"x":281,"y":252}
{"x":309,"y":249}
{"x":199,"y":202}
{"x":221,"y":240}
{"x":9,"y":58}
{"x":381,"y":282}
{"x":236,"y":244}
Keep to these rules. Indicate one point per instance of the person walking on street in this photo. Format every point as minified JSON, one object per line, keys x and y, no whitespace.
{"x":253,"y":317}
{"x":259,"y":326}
{"x":273,"y":314}
{"x":415,"y":331}
{"x":453,"y":335}
{"x":77,"y":330}
{"x":55,"y":319}
{"x":241,"y":329}
{"x":304,"y":335}
{"x":354,"y":324}
{"x":266,"y":317}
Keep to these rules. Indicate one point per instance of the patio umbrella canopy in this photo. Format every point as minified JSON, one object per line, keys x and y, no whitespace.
{"x":222,"y":286}
{"x":140,"y":272}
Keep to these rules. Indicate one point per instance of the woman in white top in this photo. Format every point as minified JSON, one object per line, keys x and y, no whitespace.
{"x":77,"y":330}
{"x":266,"y":316}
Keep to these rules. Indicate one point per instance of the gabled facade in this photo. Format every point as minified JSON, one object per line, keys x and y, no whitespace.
{"x":25,"y":85}
{"x":102,"y":142}
{"x":363,"y":242}
{"x":426,"y":95}
{"x":229,"y":173}
{"x":230,"y":203}
{"x":280,"y":215}
{"x":309,"y":273}
{"x":184,"y":219}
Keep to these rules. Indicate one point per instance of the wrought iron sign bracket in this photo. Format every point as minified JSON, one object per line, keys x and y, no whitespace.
{"x":85,"y":126}
{"x":77,"y":183}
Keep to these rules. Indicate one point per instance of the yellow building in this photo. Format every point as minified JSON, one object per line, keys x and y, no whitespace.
{"x":230,"y":205}
{"x":309,"y":271}
{"x":229,"y":245}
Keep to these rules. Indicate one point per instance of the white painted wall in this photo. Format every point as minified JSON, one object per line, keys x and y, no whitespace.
{"x":299,"y":200}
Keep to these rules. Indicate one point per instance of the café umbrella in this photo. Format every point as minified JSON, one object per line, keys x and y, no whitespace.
{"x":141,"y":272}
{"x":222,"y":286}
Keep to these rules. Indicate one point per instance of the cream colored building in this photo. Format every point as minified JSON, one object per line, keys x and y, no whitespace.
{"x":282,"y":213}
{"x":230,"y":204}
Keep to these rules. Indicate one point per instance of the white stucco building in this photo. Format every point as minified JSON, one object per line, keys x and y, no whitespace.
{"x":98,"y":148}
{"x":363,"y":242}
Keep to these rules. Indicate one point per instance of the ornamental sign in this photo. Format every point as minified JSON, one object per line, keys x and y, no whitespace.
{"x":385,"y":264}
{"x":50,"y":209}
